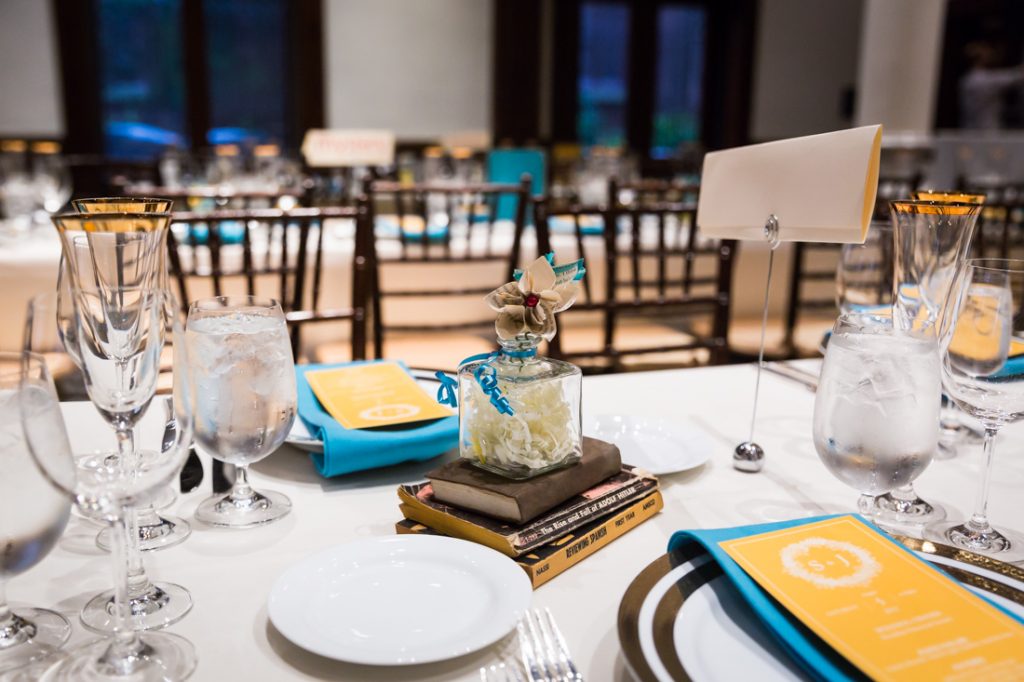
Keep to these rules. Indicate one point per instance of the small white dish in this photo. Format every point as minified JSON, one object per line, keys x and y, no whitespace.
{"x":656,"y":444}
{"x":399,"y":600}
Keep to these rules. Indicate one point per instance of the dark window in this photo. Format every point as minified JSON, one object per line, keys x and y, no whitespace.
{"x":142,"y":77}
{"x":602,"y":85}
{"x":679,"y":84}
{"x":246,"y":58}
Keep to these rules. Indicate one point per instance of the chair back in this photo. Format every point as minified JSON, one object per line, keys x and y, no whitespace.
{"x":445,"y":231}
{"x":271,"y":252}
{"x":1000,"y":229}
{"x":653,"y":261}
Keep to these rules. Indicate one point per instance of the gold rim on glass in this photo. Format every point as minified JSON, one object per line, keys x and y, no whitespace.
{"x":912,"y":207}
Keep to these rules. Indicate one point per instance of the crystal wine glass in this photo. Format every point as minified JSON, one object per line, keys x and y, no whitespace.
{"x":954,"y":430}
{"x":876,"y":410}
{"x":987,"y":382}
{"x":34,"y":513}
{"x":243,"y":371}
{"x":156,"y":531}
{"x":931,"y":240}
{"x":153,"y":604}
{"x":105,"y":478}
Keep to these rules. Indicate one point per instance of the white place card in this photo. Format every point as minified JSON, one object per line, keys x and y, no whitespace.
{"x":821,"y":188}
{"x":343,"y":147}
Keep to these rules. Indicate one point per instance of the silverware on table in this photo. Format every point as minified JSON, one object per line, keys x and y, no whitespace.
{"x":544,"y":651}
{"x":501,"y":673}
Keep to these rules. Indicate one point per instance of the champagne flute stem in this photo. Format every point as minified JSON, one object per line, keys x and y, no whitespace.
{"x":138,"y":583}
{"x":125,"y":648}
{"x":979,"y":519}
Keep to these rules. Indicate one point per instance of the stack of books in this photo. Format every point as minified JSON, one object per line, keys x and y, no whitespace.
{"x":546,"y":524}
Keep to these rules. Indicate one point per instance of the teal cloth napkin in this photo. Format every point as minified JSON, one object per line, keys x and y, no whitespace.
{"x":349,"y":450}
{"x":816,"y":657}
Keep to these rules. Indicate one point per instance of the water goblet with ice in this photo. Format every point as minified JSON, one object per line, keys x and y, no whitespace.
{"x":244,"y":374}
{"x":876,"y":411}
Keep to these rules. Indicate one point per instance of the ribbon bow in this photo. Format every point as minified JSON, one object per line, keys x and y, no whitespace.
{"x":485,"y":376}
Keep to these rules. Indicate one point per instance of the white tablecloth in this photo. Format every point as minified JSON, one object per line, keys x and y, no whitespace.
{"x":230,"y":573}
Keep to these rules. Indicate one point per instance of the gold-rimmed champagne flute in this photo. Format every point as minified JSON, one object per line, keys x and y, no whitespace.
{"x":931,"y":239}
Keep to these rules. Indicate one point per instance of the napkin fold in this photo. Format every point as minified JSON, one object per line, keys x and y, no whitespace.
{"x":350,"y":450}
{"x":815,"y":656}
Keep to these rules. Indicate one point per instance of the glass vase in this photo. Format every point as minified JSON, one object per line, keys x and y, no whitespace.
{"x":519,"y":413}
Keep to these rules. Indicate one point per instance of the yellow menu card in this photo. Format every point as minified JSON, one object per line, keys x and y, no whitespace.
{"x":374,"y":394}
{"x":879,"y":606}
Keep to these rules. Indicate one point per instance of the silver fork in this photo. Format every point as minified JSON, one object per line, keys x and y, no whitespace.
{"x":543,"y":648}
{"x":501,"y":673}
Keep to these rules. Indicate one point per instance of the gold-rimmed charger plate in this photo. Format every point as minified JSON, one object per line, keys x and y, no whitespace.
{"x":683,"y":601}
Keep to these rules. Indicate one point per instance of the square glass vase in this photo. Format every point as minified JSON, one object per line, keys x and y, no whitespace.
{"x":543,"y":431}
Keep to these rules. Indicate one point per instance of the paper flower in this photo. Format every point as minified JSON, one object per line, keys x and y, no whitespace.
{"x":528,"y":304}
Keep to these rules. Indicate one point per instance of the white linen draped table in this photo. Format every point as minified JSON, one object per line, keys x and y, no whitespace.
{"x":230,"y":573}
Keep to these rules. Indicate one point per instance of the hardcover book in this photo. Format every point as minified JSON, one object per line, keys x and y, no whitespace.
{"x":462,"y":484}
{"x":545,"y":562}
{"x":419,"y":504}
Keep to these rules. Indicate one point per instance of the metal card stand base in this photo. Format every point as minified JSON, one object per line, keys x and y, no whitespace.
{"x":749,"y":456}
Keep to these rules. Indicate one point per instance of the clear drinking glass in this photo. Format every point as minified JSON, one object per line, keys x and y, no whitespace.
{"x":931,"y":240}
{"x":34,"y":514}
{"x":156,"y":531}
{"x":112,"y":263}
{"x":954,"y":430}
{"x":101,"y":471}
{"x":876,"y":410}
{"x":987,"y":382}
{"x":244,"y":374}
{"x":864,"y":275}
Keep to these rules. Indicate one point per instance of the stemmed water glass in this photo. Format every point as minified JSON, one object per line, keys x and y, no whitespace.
{"x":33,"y":513}
{"x":119,"y":338}
{"x":985,"y":319}
{"x":244,"y":374}
{"x":876,"y":409}
{"x":931,"y":240}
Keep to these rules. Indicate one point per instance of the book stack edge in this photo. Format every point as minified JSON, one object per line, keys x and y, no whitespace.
{"x":572,"y":525}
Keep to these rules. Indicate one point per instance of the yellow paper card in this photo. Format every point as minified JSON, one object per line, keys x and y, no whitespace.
{"x":879,"y":606}
{"x":374,"y":394}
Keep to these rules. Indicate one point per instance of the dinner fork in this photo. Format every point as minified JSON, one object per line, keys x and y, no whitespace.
{"x":501,"y":673}
{"x":543,"y":648}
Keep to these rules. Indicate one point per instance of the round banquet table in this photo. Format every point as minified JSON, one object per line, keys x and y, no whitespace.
{"x":230,"y":573}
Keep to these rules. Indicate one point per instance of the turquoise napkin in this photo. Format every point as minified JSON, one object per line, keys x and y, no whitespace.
{"x":816,"y":657}
{"x":349,"y":450}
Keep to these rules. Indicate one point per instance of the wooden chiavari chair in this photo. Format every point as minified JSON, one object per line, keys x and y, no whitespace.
{"x":445,"y":243}
{"x":1000,"y":229}
{"x":275,"y":253}
{"x":654,"y":269}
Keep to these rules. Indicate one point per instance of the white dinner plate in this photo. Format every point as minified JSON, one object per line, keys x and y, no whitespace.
{"x":656,"y":444}
{"x":682,"y":619}
{"x":301,"y":438}
{"x":399,"y":600}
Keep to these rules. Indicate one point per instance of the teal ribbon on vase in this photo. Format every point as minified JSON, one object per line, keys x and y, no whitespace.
{"x":486,"y":377}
